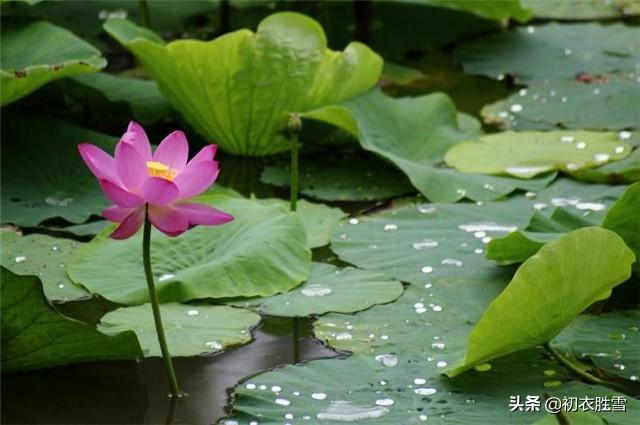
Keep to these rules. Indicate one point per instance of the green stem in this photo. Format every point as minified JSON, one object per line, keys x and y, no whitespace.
{"x":155,"y":306}
{"x":581,"y":373}
{"x":293,"y":188}
{"x":144,"y":13}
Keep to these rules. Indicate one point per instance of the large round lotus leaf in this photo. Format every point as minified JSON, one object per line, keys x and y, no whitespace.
{"x":622,"y":218}
{"x":414,"y":134}
{"x":342,"y":177}
{"x":329,"y":288}
{"x":547,"y":292}
{"x":554,"y":52}
{"x":257,"y":79}
{"x":142,"y":96}
{"x":45,"y":257}
{"x":35,"y":335}
{"x":609,"y":340}
{"x":59,"y":54}
{"x":583,"y":10}
{"x":262,"y":252}
{"x":318,"y":219}
{"x":362,"y":390}
{"x":43,"y":175}
{"x":556,"y":104}
{"x":190,"y":329}
{"x":527,"y":154}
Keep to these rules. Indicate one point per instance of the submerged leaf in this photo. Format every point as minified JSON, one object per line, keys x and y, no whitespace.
{"x":240,"y":88}
{"x":262,"y":252}
{"x":547,"y":292}
{"x":190,"y":329}
{"x":59,"y":54}
{"x":36,"y":336}
{"x":528,"y":154}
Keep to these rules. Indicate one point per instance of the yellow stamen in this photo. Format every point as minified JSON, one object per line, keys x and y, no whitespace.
{"x":158,"y":169}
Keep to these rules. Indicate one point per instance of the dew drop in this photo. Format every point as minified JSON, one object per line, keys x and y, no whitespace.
{"x":451,"y":262}
{"x":618,"y":366}
{"x":438,"y":346}
{"x":165,"y":276}
{"x":436,"y":308}
{"x":276,"y":388}
{"x":390,"y":227}
{"x":193,"y":313}
{"x":425,"y":391}
{"x":282,"y":401}
{"x":619,"y":149}
{"x":478,"y":251}
{"x":426,"y":210}
{"x":250,"y":386}
{"x":601,"y":157}
{"x":441,"y":364}
{"x":354,"y":221}
{"x":419,"y":381}
{"x":427,"y":269}
{"x":387,"y":360}
{"x":425,"y":244}
{"x":567,"y":139}
{"x":344,"y":336}
{"x":384,"y":402}
{"x":20,"y":259}
{"x":316,"y":290}
{"x":345,"y":411}
{"x":581,"y":145}
{"x":318,"y":396}
{"x":516,"y":107}
{"x":624,"y":135}
{"x":213,"y":345}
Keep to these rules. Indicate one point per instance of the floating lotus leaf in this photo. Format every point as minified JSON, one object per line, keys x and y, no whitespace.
{"x":414,"y":134}
{"x":528,"y":154}
{"x":42,"y":174}
{"x":45,"y":257}
{"x":190,"y":329}
{"x":553,"y":52}
{"x":240,"y":88}
{"x":59,"y":54}
{"x":583,"y":10}
{"x":329,"y":288}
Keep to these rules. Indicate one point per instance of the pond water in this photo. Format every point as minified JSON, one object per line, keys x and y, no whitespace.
{"x":136,"y":393}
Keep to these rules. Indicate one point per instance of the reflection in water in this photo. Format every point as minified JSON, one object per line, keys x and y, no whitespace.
{"x":130,"y":393}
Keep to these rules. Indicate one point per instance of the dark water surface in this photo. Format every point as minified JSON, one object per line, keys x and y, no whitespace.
{"x":136,"y":393}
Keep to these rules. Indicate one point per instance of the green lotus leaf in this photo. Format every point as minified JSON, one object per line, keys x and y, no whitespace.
{"x":584,"y":10}
{"x":361,"y":389}
{"x":414,"y":134}
{"x":547,"y":292}
{"x":329,"y":288}
{"x":626,"y":170}
{"x":559,"y":104}
{"x":35,"y":335}
{"x":190,"y":329}
{"x":553,"y":52}
{"x":240,"y":88}
{"x":43,"y":175}
{"x":528,"y":154}
{"x":318,"y":219}
{"x":500,"y":10}
{"x":609,"y":340}
{"x":45,"y":257}
{"x":262,"y":252}
{"x":143,"y":96}
{"x":342,"y":177}
{"x":620,"y":217}
{"x":59,"y":54}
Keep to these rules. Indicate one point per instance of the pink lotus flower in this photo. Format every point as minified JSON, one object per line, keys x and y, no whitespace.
{"x":163,"y":180}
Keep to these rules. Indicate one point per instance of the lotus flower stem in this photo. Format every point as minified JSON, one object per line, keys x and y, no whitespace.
{"x":155,"y":306}
{"x":581,"y":373}
{"x":294,"y":126}
{"x":144,"y":13}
